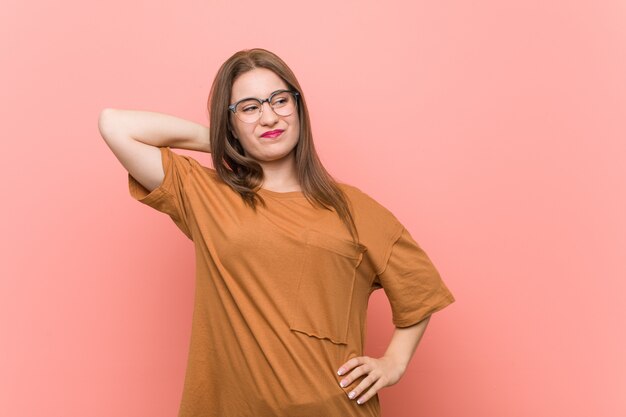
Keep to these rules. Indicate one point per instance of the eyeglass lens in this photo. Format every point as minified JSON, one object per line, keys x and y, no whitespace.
{"x":283,"y":103}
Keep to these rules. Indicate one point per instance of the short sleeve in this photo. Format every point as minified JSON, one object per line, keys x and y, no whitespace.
{"x":412,"y":283}
{"x":169,"y":197}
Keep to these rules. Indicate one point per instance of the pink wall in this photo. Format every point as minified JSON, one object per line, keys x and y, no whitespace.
{"x":493,"y":129}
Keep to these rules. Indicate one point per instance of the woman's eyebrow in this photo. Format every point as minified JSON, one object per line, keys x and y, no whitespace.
{"x":246,"y":98}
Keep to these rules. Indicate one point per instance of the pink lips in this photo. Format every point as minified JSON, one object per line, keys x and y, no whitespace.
{"x":272,"y":133}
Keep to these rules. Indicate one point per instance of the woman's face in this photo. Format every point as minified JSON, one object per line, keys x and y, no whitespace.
{"x":261,"y":83}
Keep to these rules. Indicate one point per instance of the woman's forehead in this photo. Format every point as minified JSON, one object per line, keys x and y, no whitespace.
{"x":259,"y":83}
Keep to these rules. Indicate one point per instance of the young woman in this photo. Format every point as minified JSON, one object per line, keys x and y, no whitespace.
{"x":286,"y":257}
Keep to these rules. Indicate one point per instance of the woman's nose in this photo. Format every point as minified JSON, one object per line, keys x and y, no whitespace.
{"x":267,"y":115}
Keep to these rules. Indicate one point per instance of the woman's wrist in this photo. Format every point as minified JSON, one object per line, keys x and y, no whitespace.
{"x":203,"y":141}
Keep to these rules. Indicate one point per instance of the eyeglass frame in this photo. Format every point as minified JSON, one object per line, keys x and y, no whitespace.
{"x":233,"y":106}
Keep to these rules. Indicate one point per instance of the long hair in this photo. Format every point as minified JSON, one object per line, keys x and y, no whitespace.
{"x":243,"y":174}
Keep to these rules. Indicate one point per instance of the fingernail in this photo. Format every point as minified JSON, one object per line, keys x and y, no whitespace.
{"x":352,"y":394}
{"x":359,"y":401}
{"x":340,"y":371}
{"x":343,"y":383}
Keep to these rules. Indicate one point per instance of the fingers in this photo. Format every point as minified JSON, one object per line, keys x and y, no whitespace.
{"x":364,"y":385}
{"x":375,"y":377}
{"x":363,"y":367}
{"x":350,"y":364}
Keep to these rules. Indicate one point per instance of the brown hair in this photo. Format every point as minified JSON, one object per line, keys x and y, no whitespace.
{"x":244,"y":174}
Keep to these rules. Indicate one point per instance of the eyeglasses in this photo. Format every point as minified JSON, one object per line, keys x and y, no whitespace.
{"x":282,"y":102}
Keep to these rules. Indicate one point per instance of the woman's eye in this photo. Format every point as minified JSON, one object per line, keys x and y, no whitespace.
{"x":250,"y":108}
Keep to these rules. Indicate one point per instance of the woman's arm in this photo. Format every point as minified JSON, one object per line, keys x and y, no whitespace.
{"x":388,"y":369}
{"x":135,"y":137}
{"x":156,"y":129}
{"x":404,"y":341}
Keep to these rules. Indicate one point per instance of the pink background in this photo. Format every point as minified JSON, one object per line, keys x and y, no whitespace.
{"x":494,"y":130}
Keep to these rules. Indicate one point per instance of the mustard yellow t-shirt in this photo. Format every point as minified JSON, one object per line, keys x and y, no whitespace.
{"x":282,"y":294}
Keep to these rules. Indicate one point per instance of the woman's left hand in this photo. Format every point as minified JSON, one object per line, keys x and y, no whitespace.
{"x":381,"y":372}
